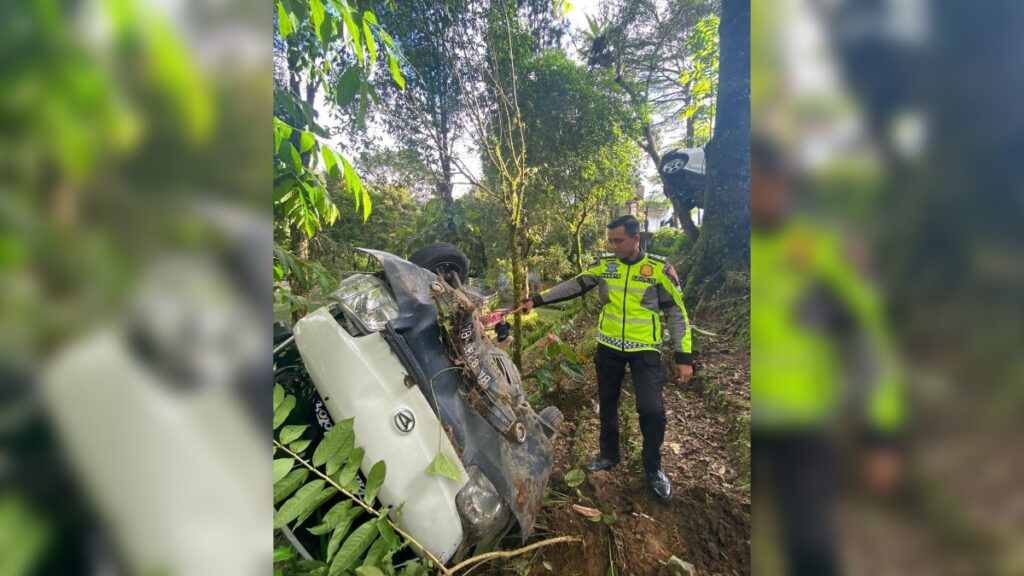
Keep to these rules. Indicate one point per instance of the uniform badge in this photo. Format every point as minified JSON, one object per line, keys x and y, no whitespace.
{"x":611,"y":267}
{"x":646,"y":270}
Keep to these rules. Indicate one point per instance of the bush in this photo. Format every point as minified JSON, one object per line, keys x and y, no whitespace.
{"x":670,"y":242}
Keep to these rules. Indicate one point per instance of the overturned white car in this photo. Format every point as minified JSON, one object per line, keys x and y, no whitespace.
{"x":403,"y":352}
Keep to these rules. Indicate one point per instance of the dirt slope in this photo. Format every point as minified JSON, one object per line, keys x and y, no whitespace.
{"x":706,"y":453}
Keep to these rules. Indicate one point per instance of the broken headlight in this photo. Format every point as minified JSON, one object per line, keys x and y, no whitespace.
{"x":484,"y":512}
{"x":367,"y":299}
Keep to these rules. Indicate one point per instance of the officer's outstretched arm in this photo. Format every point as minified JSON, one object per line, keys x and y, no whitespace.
{"x":670,"y":300}
{"x":572,"y":288}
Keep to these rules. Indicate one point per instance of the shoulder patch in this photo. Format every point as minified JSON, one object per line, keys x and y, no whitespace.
{"x":657,"y":258}
{"x":670,"y":271}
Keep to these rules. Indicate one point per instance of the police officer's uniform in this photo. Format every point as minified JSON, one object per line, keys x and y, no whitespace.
{"x":811,"y":317}
{"x":629,"y":331}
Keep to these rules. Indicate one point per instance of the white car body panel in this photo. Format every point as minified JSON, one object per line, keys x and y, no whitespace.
{"x":171,"y":472}
{"x":362,"y":378}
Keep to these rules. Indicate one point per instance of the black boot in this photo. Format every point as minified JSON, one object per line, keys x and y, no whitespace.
{"x":659,"y":483}
{"x":601,"y":463}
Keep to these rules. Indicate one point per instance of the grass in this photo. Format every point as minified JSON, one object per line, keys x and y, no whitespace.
{"x":630,"y":433}
{"x":585,"y":440}
{"x":739,"y":430}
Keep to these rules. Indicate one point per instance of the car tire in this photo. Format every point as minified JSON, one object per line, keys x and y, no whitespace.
{"x":552,"y":418}
{"x":672,"y":167}
{"x":444,"y":259}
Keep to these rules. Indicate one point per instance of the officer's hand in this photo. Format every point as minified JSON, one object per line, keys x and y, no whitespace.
{"x":883,"y":470}
{"x":685,"y":372}
{"x":525,"y":306}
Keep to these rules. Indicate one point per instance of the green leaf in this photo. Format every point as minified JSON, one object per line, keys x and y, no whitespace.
{"x":311,"y":567}
{"x":284,"y":24}
{"x":306,"y":142}
{"x":348,"y":473}
{"x":277,"y":139}
{"x":369,"y":571}
{"x":568,"y":352}
{"x":278,"y":396}
{"x":289,"y":483}
{"x":574,"y":477}
{"x":316,"y":11}
{"x":282,"y":466}
{"x":387,"y":532}
{"x":283,"y":410}
{"x":281,"y":554}
{"x":353,"y":31}
{"x":348,"y":85}
{"x":292,"y":432}
{"x":443,"y":466}
{"x":552,"y":350}
{"x":414,"y":568}
{"x":356,"y":455}
{"x":291,"y":509}
{"x":330,"y":160}
{"x":374,"y":480}
{"x":300,"y":446}
{"x":371,"y":44}
{"x":396,"y":71}
{"x":543,"y":375}
{"x":335,"y":446}
{"x":548,"y":566}
{"x":355,"y":186}
{"x":290,"y":156}
{"x":572,"y":370}
{"x":375,"y":554}
{"x":332,"y":518}
{"x":342,"y":530}
{"x":353,"y":548}
{"x":325,"y":495}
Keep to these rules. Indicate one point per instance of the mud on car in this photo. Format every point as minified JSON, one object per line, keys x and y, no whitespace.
{"x":403,"y":353}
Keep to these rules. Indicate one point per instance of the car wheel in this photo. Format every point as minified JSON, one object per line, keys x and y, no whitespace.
{"x":672,"y":166}
{"x":552,"y":418}
{"x":443,"y":258}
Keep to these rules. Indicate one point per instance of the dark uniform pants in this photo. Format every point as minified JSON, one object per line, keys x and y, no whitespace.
{"x":649,"y":382}
{"x":797,"y":474}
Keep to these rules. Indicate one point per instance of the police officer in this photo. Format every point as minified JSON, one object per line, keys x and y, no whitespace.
{"x":635,"y":288}
{"x":818,"y":341}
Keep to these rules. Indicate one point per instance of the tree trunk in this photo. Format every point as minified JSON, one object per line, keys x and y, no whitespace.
{"x":445,"y":189}
{"x":720,"y":263}
{"x":519,"y":292}
{"x":682,"y":204}
{"x":577,"y":237}
{"x":301,"y":243}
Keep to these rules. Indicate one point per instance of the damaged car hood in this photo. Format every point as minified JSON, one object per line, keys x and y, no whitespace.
{"x":490,"y":424}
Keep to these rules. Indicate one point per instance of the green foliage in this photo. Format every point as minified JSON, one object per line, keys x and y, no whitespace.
{"x":701,"y":80}
{"x":443,"y":466}
{"x":574,"y":477}
{"x":551,"y":263}
{"x":559,"y":360}
{"x":349,"y":535}
{"x":579,"y":147}
{"x":670,"y":243}
{"x":318,"y":42}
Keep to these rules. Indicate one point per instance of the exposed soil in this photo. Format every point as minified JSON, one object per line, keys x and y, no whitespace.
{"x":706,"y":454}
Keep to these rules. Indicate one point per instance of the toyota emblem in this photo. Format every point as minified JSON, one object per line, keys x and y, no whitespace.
{"x":405,"y":421}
